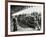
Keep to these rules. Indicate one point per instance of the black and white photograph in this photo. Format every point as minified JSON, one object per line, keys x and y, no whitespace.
{"x":25,"y":18}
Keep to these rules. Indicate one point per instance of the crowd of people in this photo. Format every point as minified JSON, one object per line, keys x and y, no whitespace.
{"x":32,"y":20}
